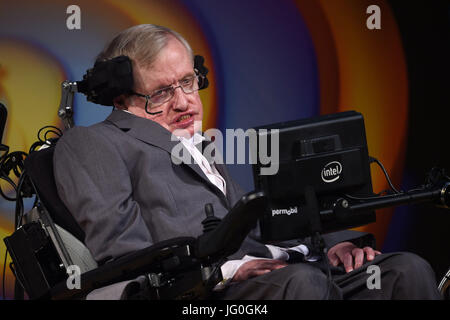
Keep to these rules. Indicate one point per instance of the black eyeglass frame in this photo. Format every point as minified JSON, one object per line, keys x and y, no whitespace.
{"x":200,"y":79}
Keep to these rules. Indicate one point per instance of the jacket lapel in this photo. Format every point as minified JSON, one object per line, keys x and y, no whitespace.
{"x":153,"y":133}
{"x":142,"y":129}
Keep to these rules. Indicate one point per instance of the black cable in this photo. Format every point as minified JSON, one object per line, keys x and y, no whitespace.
{"x":393,"y":195}
{"x":36,"y":145}
{"x":11,"y":162}
{"x":51,"y":131}
{"x":14,"y":161}
{"x":7,"y":179}
{"x":10,"y":159}
{"x":373,"y":197}
{"x":19,"y":202}
{"x":379,"y":195}
{"x":45,"y":140}
{"x":372,"y":159}
{"x":36,"y":200}
{"x":58,"y":132}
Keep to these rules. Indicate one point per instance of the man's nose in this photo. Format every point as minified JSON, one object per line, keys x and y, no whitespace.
{"x":180,"y":100}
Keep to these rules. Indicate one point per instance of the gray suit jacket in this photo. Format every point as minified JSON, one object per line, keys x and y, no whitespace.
{"x":119,"y":182}
{"x":117,"y":179}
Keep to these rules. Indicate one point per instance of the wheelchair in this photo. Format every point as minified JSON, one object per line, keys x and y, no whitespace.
{"x":49,"y":244}
{"x":50,"y":260}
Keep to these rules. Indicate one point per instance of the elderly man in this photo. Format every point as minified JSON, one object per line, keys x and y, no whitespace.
{"x":119,"y":182}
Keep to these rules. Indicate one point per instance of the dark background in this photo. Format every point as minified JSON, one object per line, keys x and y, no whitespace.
{"x":425,"y":32}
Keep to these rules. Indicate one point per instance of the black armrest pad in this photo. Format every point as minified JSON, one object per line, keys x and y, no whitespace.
{"x":125,"y":268}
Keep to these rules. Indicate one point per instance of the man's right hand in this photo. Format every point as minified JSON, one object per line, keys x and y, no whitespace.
{"x":257,"y":267}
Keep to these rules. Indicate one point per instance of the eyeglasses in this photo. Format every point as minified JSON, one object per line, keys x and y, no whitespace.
{"x":188,"y":84}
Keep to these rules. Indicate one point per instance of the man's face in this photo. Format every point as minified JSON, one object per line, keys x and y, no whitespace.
{"x":172,"y":64}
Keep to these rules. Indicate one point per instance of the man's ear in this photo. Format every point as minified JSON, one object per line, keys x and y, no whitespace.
{"x":120,"y":102}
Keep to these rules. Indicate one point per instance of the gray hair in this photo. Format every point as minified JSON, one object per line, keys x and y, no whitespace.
{"x":141,"y":43}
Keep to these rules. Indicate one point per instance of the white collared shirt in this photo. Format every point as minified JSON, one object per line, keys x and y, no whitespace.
{"x":208,"y":169}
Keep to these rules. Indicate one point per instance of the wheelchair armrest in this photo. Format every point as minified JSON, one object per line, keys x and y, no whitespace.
{"x":173,"y":255}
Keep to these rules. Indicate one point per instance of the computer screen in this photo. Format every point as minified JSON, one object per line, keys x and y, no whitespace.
{"x":328,"y":153}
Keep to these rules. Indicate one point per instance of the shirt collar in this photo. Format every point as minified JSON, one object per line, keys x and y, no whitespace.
{"x":196,"y":139}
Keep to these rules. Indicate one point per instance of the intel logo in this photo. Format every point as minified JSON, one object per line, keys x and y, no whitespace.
{"x":331,"y":172}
